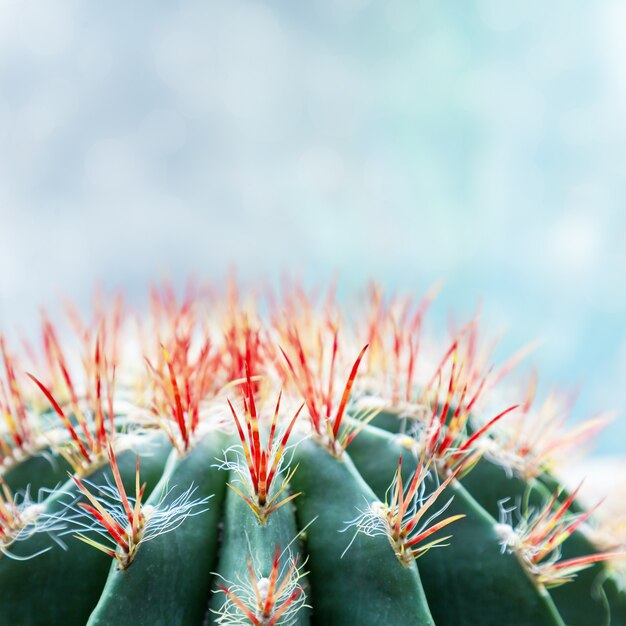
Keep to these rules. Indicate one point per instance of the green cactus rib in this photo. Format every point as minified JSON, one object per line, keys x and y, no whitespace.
{"x":169,"y":579}
{"x":366,"y":584}
{"x":468,"y":580}
{"x":244,"y":537}
{"x":391,"y":422}
{"x":593,"y":596}
{"x":552,"y":484}
{"x":44,"y":470}
{"x":399,"y":422}
{"x":465,"y":581}
{"x":491,"y":484}
{"x":62,"y":586}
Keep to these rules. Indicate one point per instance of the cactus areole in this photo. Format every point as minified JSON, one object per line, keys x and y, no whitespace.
{"x":312,"y":464}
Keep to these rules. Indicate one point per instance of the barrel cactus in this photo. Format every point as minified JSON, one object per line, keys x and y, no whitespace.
{"x":212,"y":464}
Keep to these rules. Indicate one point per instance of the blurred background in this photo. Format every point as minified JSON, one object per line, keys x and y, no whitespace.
{"x":482,"y":143}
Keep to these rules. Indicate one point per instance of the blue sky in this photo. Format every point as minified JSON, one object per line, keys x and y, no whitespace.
{"x":480,"y":142}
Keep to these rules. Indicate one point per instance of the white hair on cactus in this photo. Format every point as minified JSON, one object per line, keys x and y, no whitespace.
{"x":162,"y":517}
{"x":22,"y":518}
{"x":273,"y":600}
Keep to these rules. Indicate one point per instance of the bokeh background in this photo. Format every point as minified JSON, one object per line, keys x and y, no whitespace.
{"x":479,"y":142}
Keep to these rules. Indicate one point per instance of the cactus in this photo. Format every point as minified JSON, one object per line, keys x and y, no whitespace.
{"x":212,"y":465}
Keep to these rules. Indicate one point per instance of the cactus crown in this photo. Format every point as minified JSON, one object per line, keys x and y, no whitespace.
{"x":215,"y":465}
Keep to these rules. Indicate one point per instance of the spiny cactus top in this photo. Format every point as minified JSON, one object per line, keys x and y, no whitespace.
{"x":273,"y":461}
